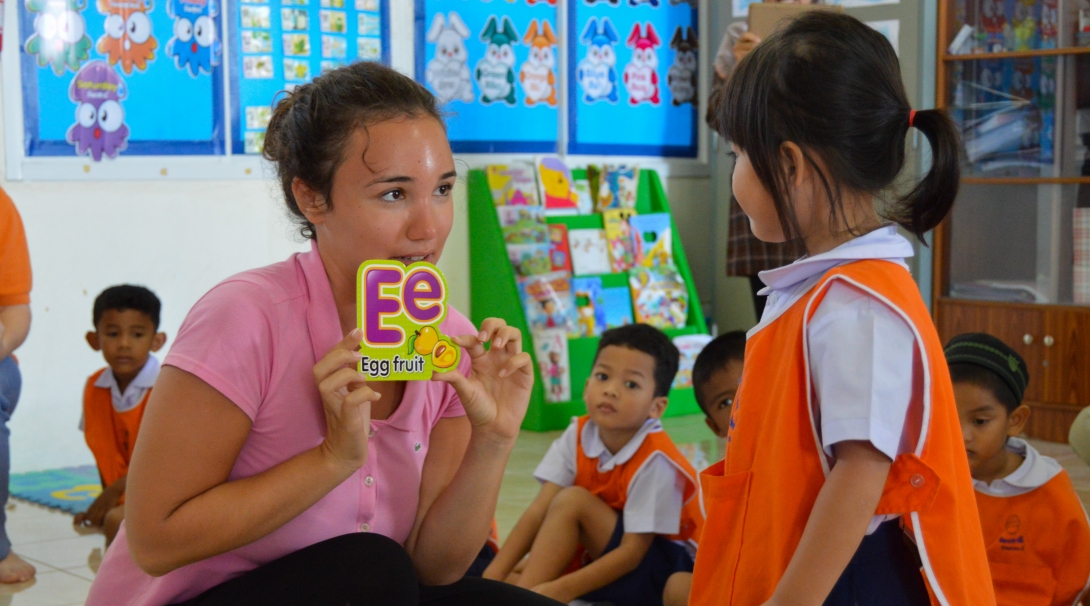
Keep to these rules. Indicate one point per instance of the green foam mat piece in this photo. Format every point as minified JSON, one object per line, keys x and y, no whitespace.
{"x":71,"y":489}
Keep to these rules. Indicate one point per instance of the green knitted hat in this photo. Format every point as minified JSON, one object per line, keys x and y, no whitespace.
{"x":989,"y":352}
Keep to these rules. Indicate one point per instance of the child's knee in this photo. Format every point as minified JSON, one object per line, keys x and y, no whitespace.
{"x":571,"y":500}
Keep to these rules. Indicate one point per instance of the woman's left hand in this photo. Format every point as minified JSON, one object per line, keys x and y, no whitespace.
{"x":497,"y":391}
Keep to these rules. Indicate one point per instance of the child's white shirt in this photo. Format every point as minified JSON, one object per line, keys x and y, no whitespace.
{"x":861,"y":351}
{"x":134,"y":392}
{"x":1034,"y":472}
{"x":656,"y":493}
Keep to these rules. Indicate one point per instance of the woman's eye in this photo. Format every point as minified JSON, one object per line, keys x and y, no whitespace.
{"x":394,"y":195}
{"x":444,"y":189}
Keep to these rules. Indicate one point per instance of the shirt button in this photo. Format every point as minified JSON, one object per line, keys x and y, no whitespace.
{"x":916,"y":480}
{"x":371,"y":434}
{"x":365,"y":528}
{"x":368,"y":481}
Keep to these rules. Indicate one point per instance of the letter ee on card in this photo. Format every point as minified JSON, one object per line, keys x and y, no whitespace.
{"x":399,"y":310}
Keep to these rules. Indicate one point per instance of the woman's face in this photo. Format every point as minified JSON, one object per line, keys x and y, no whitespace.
{"x":392,"y":195}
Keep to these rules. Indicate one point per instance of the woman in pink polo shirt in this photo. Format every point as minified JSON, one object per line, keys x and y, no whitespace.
{"x":267,"y":470}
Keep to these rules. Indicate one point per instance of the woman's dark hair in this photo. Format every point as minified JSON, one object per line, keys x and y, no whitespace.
{"x":832,"y":85}
{"x":310,"y":125}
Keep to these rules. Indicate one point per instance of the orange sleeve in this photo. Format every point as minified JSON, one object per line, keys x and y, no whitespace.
{"x":15,"y":279}
{"x":1074,"y":575}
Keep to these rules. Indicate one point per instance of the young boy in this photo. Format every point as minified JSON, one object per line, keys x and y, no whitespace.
{"x":615,"y":484}
{"x":717,"y":373}
{"x":1034,"y":525}
{"x":126,"y":320}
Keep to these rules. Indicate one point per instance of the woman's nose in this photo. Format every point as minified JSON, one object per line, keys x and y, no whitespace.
{"x":423,"y":222}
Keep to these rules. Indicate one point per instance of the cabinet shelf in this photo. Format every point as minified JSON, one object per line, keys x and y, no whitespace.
{"x":1041,"y":52}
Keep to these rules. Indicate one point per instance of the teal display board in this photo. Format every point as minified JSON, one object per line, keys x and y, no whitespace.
{"x":121,"y":77}
{"x":633,"y":63}
{"x":279,"y":45}
{"x":493,"y":67}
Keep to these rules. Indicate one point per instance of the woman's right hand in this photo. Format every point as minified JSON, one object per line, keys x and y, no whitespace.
{"x":347,"y":400}
{"x":745,"y":44}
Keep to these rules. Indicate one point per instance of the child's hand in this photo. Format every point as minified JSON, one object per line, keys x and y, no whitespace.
{"x":554,"y":590}
{"x":497,"y":391}
{"x":745,"y":44}
{"x":347,"y":400}
{"x":96,"y":513}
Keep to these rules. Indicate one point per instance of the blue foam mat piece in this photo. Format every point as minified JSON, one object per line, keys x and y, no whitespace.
{"x":71,"y":489}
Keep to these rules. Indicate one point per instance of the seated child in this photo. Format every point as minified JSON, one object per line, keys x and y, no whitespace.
{"x":126,"y":320}
{"x":619,"y":503}
{"x":1035,"y":528}
{"x":717,"y":373}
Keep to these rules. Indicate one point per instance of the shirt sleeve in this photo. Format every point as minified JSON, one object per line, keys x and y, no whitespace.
{"x":558,"y":466}
{"x":655,"y":497}
{"x":15,"y":277}
{"x":227,"y":340}
{"x":861,"y":363}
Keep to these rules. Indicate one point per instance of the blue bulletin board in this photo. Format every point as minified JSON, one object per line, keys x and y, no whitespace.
{"x":285,"y":43}
{"x":106,"y":77}
{"x":633,"y":63}
{"x":493,"y":67}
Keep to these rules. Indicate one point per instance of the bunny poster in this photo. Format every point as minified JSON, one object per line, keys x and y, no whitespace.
{"x":493,"y":68}
{"x":637,"y":67}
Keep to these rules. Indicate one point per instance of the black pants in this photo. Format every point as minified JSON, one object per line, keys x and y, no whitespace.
{"x":885,"y":571}
{"x":365,"y":569}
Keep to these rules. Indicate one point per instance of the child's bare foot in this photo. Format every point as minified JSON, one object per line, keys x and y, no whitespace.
{"x":14,"y":569}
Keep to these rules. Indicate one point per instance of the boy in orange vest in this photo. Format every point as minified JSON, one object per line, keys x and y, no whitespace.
{"x":717,"y":373}
{"x":126,"y":322}
{"x":1035,"y":527}
{"x":615,"y":484}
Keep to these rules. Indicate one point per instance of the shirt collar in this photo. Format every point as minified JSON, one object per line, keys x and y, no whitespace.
{"x":145,"y":379}
{"x":883,"y":243}
{"x":1035,"y":471}
{"x":595,"y":448}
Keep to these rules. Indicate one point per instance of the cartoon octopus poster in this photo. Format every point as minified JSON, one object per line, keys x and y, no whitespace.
{"x":128,"y":38}
{"x":60,"y":34}
{"x":194,"y":45}
{"x":98,"y":90}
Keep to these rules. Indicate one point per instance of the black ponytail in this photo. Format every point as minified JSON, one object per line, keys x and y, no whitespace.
{"x":923,"y":208}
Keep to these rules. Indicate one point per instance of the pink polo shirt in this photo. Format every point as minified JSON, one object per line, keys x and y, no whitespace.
{"x":255,"y":337}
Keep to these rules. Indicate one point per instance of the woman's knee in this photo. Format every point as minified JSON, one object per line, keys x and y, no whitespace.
{"x":368,"y":565}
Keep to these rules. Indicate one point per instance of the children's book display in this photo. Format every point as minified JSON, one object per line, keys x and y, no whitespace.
{"x":689,"y":346}
{"x":399,"y":309}
{"x":587,"y":250}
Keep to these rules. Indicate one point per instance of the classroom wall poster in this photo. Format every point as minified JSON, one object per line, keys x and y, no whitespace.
{"x":280,"y":44}
{"x":103,"y":78}
{"x":493,"y":68}
{"x":633,"y":78}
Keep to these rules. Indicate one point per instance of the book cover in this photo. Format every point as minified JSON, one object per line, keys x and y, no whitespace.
{"x":589,"y":252}
{"x":559,"y":251}
{"x":617,"y":302}
{"x":652,"y":240}
{"x":555,"y":187}
{"x":659,"y":296}
{"x":689,"y":346}
{"x":523,"y":224}
{"x":582,"y":192}
{"x":590,"y":308}
{"x":622,"y":250}
{"x":551,"y":351}
{"x":529,"y":259}
{"x":548,"y":303}
{"x":617,"y":187}
{"x":512,"y":184}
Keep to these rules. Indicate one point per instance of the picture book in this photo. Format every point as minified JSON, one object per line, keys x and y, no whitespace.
{"x":529,"y":259}
{"x":651,"y":240}
{"x":617,"y":302}
{"x":548,"y":303}
{"x":551,"y":351}
{"x":594,"y":173}
{"x":590,"y":307}
{"x":617,"y":187}
{"x":622,"y":250}
{"x":659,"y":296}
{"x":559,"y":253}
{"x":689,"y":346}
{"x":512,"y":184}
{"x":582,"y":192}
{"x":589,"y":252}
{"x":555,"y":187}
{"x":523,"y":224}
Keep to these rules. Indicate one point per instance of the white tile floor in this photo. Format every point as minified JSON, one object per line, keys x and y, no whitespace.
{"x":45,"y":538}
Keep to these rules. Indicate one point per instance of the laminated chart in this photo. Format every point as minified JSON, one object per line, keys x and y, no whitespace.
{"x":279,"y":44}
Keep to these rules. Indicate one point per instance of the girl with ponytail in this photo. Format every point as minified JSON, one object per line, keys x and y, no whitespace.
{"x":845,"y":479}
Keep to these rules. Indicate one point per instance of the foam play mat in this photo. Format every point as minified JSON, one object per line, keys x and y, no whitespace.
{"x":71,"y":489}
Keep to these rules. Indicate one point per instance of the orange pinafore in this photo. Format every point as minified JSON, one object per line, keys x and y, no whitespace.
{"x":110,"y":435}
{"x":612,"y":486}
{"x":759,"y":498}
{"x":1038,"y":545}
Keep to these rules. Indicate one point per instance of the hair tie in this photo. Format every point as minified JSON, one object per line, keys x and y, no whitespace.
{"x":911,"y":118}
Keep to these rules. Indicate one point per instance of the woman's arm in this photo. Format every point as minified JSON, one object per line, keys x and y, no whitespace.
{"x":601,"y":572}
{"x":522,"y":536}
{"x":446,"y":449}
{"x":180,"y":506}
{"x":14,"y":328}
{"x":837,"y":524}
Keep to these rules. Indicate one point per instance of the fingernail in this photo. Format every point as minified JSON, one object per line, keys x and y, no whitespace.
{"x":358,"y":354}
{"x":503,"y":372}
{"x":482,"y":336}
{"x":356,"y":333}
{"x":497,"y":343}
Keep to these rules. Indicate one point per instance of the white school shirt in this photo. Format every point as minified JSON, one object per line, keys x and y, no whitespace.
{"x":657,"y":490}
{"x":860,"y":350}
{"x":134,"y":392}
{"x":1034,"y":472}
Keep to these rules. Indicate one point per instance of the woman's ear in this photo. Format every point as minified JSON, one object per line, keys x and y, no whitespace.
{"x":311,"y":203}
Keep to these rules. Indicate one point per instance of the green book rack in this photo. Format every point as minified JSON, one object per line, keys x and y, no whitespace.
{"x":494,"y":294}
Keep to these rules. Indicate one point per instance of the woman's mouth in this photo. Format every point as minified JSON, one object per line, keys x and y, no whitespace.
{"x":410,"y":259}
